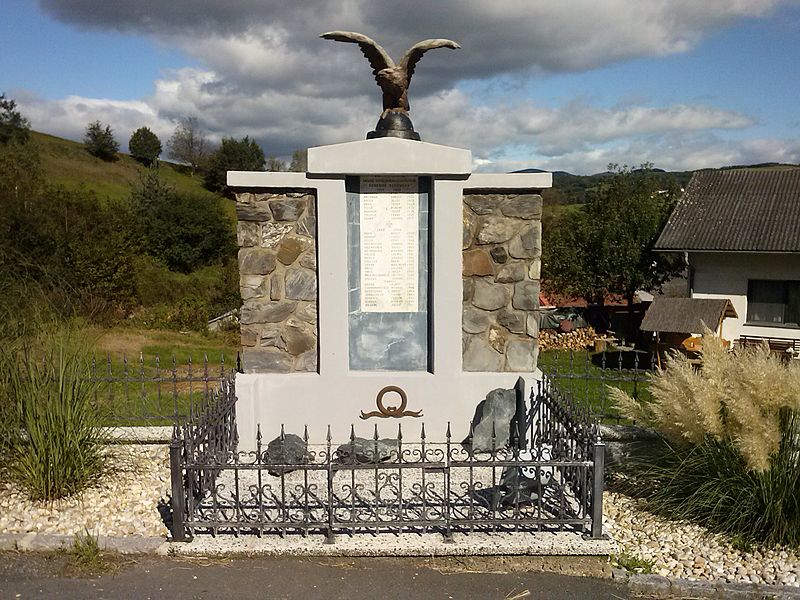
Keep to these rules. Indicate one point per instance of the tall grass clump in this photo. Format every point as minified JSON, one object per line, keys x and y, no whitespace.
{"x":730,"y":458}
{"x":53,"y":438}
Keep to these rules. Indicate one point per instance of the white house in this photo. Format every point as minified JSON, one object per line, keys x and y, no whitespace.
{"x":740,"y":232}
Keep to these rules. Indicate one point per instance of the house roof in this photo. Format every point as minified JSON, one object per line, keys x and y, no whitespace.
{"x":756,"y":210}
{"x":686,"y":315}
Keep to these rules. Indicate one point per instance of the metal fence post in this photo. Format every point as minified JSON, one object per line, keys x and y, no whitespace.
{"x":521,"y":415}
{"x":598,"y":483}
{"x":178,"y":491}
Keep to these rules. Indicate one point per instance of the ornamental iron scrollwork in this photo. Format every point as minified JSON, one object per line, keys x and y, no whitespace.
{"x":385,"y":412}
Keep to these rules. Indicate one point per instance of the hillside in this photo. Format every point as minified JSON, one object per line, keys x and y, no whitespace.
{"x":67,"y":163}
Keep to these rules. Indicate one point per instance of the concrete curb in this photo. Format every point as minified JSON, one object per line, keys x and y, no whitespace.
{"x":656,"y":586}
{"x":45,"y":542}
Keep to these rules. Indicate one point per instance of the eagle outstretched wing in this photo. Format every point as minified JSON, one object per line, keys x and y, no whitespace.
{"x":376,"y":55}
{"x":411,"y":58}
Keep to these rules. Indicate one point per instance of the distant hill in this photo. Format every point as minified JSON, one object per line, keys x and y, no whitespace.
{"x":67,"y":163}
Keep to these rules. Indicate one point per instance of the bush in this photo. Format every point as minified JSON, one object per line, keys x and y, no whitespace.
{"x":144,"y":146}
{"x":232,"y":155}
{"x":731,"y":454}
{"x":100,"y":141}
{"x":54,"y":441}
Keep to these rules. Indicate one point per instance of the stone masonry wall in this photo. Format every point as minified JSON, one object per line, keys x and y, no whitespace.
{"x":501,"y":253}
{"x":278,"y":280}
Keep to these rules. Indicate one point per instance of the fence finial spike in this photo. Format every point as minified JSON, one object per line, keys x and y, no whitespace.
{"x":399,"y":432}
{"x":375,"y":434}
{"x":447,"y":433}
{"x":283,"y":433}
{"x":352,"y":433}
{"x":305,"y":434}
{"x":328,"y":437}
{"x":422,"y":432}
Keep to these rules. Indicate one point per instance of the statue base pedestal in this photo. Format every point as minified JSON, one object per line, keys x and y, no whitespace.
{"x":394,"y":124}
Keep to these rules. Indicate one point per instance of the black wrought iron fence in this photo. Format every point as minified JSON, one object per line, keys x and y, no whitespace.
{"x":584,"y":377}
{"x":551,"y":479}
{"x":155,"y":391}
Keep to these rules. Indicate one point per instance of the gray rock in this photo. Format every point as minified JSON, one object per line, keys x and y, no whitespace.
{"x":309,"y":260}
{"x":511,"y":272}
{"x":470,"y":225}
{"x":482,"y":204}
{"x":287,"y":209}
{"x":307,"y":313}
{"x":523,"y":207}
{"x":479,"y":356}
{"x":248,"y":234}
{"x":273,"y":233}
{"x":300,"y":337}
{"x":301,"y":284}
{"x":474,"y":320}
{"x":490,"y":296}
{"x":467,"y":289}
{"x":283,"y":454}
{"x":526,"y":295}
{"x":307,"y":226}
{"x":496,"y":410}
{"x":266,"y":312}
{"x":255,"y":211}
{"x":256,"y":261}
{"x":512,"y":320}
{"x":521,"y":356}
{"x":253,"y":286}
{"x":291,"y":247}
{"x":535,"y":269}
{"x":532,"y":325}
{"x":497,"y":339}
{"x":307,"y":362}
{"x":249,"y":336}
{"x":499,"y":254}
{"x":266,"y":360}
{"x":362,"y":450}
{"x":271,"y":337}
{"x":496,"y":230}
{"x":528,"y":244}
{"x":276,"y":287}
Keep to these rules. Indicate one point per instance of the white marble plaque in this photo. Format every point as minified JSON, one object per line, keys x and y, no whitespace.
{"x":389,"y":225}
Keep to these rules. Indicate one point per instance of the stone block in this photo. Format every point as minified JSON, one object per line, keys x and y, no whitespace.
{"x":300,"y":337}
{"x":255,"y":211}
{"x":521,"y":356}
{"x":291,"y":247}
{"x":253,"y":286}
{"x":511,"y":272}
{"x":307,"y":313}
{"x":490,"y":296}
{"x":307,"y":225}
{"x":290,"y":451}
{"x":249,"y":336}
{"x":276,"y":287}
{"x":491,"y":425}
{"x":362,"y":450}
{"x":287,"y":209}
{"x":522,"y":207}
{"x":483,"y":204}
{"x":535,"y":269}
{"x":309,"y":260}
{"x":479,"y":356}
{"x":256,"y":261}
{"x":477,"y":262}
{"x":248,"y":234}
{"x":512,"y":320}
{"x":497,"y":339}
{"x":528,"y":244}
{"x":266,"y":360}
{"x":273,"y":233}
{"x":532,"y":325}
{"x":499,"y":254}
{"x":467,"y":289}
{"x":307,"y":362}
{"x":474,"y":320}
{"x":271,"y":336}
{"x":266,"y":312}
{"x":526,"y":295}
{"x":469,"y":227}
{"x":496,"y":230}
{"x":300,"y":284}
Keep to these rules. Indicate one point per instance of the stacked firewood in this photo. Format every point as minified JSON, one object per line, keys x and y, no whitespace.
{"x":577,"y":339}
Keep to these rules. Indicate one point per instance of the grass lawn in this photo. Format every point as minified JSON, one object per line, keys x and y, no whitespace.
{"x":584,"y":377}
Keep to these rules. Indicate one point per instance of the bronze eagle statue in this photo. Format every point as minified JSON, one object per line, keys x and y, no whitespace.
{"x":393,"y":79}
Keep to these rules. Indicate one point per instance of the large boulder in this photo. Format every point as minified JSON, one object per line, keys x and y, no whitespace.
{"x":286,"y":452}
{"x":497,"y":408}
{"x":362,"y":450}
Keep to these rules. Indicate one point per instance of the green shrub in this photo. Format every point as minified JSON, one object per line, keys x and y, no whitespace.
{"x":100,"y":142}
{"x":730,"y":460}
{"x":53,"y":445}
{"x":144,"y":146}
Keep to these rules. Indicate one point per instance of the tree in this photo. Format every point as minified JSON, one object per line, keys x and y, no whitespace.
{"x":188,"y":144}
{"x":144,"y":146}
{"x":275,"y":164}
{"x":100,"y":142}
{"x":607,"y":247}
{"x":232,"y":155}
{"x":13,"y":126}
{"x":299,"y":161}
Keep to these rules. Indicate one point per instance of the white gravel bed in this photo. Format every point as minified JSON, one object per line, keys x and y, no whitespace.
{"x":124,"y":504}
{"x":687,"y":551}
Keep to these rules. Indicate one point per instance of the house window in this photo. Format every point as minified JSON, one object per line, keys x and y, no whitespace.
{"x":773,"y":302}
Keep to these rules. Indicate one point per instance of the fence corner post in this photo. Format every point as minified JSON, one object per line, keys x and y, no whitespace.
{"x":178,"y":490}
{"x":598,"y":483}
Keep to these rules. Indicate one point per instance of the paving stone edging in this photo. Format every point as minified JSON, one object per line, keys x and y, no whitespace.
{"x":657,"y":586}
{"x":46,"y":542}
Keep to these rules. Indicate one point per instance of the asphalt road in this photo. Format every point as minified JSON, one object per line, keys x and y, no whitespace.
{"x":53,"y":576}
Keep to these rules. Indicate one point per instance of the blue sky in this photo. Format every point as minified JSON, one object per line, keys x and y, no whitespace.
{"x":568,"y":86}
